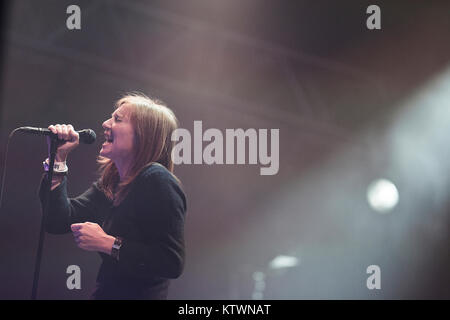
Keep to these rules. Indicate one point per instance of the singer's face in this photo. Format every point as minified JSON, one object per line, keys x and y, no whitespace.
{"x":119,"y":135}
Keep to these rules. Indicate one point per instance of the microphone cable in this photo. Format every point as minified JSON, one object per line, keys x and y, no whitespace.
{"x":4,"y":167}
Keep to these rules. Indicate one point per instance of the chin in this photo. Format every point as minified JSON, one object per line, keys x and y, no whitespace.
{"x":104,"y":154}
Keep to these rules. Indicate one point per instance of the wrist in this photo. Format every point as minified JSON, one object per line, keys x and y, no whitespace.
{"x":61,"y":157}
{"x":59,"y":167}
{"x":107,"y":244}
{"x":115,"y":251}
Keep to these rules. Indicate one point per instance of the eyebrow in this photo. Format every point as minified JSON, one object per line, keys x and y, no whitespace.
{"x":117,"y":113}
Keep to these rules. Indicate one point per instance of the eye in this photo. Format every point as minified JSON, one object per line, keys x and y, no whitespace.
{"x":116,"y":118}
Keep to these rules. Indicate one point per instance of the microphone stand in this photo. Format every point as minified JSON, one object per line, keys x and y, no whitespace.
{"x":37,"y":265}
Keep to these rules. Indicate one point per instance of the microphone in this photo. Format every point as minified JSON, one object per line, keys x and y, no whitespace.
{"x":87,"y":136}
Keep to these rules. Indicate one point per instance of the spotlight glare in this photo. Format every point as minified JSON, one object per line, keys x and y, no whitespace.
{"x":280,"y":262}
{"x":382,"y":195}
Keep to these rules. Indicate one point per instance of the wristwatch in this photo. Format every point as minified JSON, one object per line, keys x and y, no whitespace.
{"x":116,"y":248}
{"x":58,"y":167}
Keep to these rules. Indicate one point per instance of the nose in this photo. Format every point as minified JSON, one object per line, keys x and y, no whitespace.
{"x":106,"y":124}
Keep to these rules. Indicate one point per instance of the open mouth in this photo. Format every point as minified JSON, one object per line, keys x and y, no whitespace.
{"x":108,"y":138}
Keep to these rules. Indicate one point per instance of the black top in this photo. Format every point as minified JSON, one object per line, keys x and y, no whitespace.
{"x":151,"y":222}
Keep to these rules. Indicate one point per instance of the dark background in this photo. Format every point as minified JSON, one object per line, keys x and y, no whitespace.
{"x":352,"y":105}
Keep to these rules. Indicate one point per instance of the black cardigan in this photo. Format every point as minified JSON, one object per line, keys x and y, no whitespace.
{"x":151,"y":222}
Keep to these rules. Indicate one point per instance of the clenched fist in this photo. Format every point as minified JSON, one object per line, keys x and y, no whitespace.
{"x":69,"y":139}
{"x":91,"y":237}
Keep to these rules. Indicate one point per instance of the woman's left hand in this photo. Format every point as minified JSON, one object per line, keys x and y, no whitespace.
{"x":91,"y":237}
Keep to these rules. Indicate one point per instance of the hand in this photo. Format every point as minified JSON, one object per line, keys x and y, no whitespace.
{"x":91,"y":237}
{"x":69,"y":140}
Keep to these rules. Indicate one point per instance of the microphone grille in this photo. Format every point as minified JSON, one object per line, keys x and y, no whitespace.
{"x":87,"y":136}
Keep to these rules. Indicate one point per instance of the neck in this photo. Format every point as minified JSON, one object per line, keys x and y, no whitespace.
{"x":123,"y":168}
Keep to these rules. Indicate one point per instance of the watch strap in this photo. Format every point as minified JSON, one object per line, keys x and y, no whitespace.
{"x":59,"y":167}
{"x":116,"y":248}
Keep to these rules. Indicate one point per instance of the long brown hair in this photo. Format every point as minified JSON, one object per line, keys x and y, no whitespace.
{"x":153,"y":124}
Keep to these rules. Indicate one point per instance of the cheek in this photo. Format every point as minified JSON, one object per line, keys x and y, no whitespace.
{"x":124,"y":139}
{"x":131,"y":138}
{"x":128,"y":141}
{"x":132,"y":141}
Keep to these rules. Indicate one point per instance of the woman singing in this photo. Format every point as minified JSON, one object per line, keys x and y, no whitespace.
{"x":133,"y":215}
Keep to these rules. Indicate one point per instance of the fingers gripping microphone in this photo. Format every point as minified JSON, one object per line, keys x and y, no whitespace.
{"x":87,"y":136}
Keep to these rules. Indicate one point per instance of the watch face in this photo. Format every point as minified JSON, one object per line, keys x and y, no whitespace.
{"x":117,"y":243}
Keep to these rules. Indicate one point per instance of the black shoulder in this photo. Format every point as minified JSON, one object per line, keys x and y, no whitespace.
{"x":154,"y":168}
{"x":156,"y":171}
{"x":158,"y":179}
